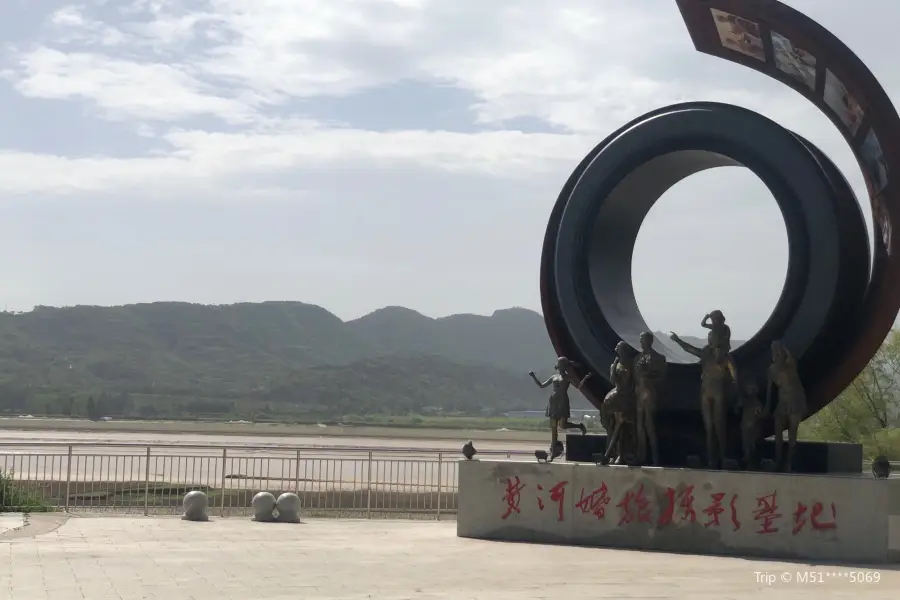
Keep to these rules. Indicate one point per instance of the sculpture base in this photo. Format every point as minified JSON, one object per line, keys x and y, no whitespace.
{"x":845,"y":519}
{"x":809,"y":457}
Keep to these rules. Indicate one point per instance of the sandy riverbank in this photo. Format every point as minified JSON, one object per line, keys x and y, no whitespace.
{"x":266,"y":430}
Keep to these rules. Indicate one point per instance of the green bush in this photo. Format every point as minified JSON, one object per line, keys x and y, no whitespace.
{"x":13,"y":498}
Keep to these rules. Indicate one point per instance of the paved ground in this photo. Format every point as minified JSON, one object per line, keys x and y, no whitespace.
{"x":10,"y":521}
{"x":165,"y":558}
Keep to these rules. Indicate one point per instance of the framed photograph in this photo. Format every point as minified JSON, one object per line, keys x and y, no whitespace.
{"x":873,"y":158}
{"x":739,"y":34}
{"x":882,"y":222}
{"x":842,"y":103}
{"x":794,"y":61}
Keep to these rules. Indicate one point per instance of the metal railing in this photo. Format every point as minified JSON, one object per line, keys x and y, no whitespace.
{"x":151,"y":480}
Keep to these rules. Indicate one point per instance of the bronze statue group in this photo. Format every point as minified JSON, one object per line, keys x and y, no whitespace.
{"x":629,"y":410}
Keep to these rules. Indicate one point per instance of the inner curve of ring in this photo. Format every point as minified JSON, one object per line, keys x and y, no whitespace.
{"x":614,"y":235}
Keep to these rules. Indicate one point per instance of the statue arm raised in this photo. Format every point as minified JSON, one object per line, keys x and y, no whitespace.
{"x":705,"y":322}
{"x":686,"y":347}
{"x":538,"y":381}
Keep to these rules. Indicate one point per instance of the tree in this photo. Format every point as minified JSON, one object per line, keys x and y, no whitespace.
{"x":92,"y":412}
{"x":867,"y":412}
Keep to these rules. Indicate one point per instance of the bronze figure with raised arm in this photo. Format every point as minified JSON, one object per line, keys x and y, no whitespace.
{"x":716,"y":375}
{"x":558,"y":407}
{"x":719,"y":333}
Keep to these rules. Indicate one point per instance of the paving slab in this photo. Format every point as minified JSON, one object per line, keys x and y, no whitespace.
{"x":11,"y":521}
{"x":93,"y":558}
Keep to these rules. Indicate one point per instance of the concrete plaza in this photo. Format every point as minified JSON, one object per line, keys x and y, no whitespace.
{"x":54,"y":557}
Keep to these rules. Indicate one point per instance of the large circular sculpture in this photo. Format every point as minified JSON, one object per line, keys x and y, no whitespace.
{"x":834,"y":311}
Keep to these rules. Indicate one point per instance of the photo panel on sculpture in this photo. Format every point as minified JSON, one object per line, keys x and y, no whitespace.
{"x":739,"y":34}
{"x":882,"y":222}
{"x":873,"y":159}
{"x":842,"y":103}
{"x":794,"y":61}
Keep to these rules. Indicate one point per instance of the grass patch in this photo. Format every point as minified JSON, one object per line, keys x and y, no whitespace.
{"x":15,"y":497}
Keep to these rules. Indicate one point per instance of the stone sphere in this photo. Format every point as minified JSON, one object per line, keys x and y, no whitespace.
{"x":288,"y":505}
{"x":195,"y":505}
{"x":263,"y":506}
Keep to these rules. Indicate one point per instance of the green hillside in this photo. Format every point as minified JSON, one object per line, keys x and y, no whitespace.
{"x":279,"y":359}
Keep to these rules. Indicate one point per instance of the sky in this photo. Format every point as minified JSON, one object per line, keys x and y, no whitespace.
{"x":364,"y":153}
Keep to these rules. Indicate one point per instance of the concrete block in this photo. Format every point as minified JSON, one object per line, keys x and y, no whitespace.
{"x":840,"y":518}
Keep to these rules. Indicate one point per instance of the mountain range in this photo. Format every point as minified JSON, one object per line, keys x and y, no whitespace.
{"x":284,"y":359}
{"x":170,"y":358}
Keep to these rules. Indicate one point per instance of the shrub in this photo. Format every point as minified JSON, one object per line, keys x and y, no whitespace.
{"x":14,"y":498}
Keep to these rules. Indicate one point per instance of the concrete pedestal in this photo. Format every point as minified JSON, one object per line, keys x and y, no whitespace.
{"x":846,"y":519}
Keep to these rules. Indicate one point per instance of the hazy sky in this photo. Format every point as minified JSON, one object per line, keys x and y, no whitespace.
{"x":363,"y":153}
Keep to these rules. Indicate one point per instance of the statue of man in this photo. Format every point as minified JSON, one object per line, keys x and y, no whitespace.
{"x":649,"y":375}
{"x":558,"y":407}
{"x":715,"y":376}
{"x":791,"y":407}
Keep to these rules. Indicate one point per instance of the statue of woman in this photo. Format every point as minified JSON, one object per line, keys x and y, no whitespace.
{"x":649,"y":375}
{"x":715,"y":376}
{"x":791,"y":406}
{"x":618,"y":408}
{"x":558,"y":408}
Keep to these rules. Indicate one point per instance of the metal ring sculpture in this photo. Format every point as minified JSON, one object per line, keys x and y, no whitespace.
{"x":833,"y":313}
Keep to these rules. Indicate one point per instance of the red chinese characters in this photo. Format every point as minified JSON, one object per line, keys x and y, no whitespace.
{"x":817,"y":510}
{"x":634,"y":501}
{"x":715,"y":509}
{"x":677,"y":504}
{"x":685,"y":503}
{"x":801,"y":518}
{"x":595,"y":502}
{"x":558,"y":495}
{"x":767,"y":513}
{"x":512,"y":496}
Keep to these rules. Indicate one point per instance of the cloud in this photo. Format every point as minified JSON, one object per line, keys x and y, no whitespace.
{"x":242,"y":63}
{"x":230,"y":101}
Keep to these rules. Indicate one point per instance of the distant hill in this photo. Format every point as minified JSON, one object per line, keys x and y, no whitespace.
{"x":514,"y":338}
{"x":179,"y":358}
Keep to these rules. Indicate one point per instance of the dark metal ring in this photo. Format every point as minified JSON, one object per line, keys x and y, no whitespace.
{"x":832,"y":314}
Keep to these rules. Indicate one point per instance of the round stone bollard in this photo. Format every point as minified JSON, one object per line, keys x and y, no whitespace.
{"x":263,"y":507}
{"x":195,"y":505}
{"x":288,"y":508}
